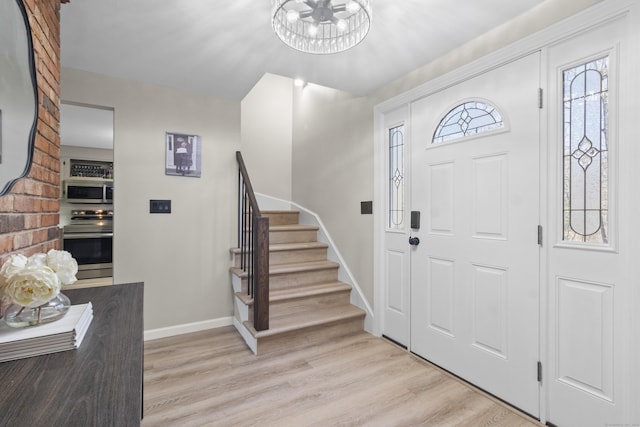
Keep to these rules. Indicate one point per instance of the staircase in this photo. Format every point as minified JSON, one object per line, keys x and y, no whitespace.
{"x":307,"y":303}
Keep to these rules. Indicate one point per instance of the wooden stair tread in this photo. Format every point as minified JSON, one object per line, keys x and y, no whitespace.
{"x":303,"y":266}
{"x":297,"y":246}
{"x":300,"y":321}
{"x":292,"y":268}
{"x":299,"y":292}
{"x":279,"y":247}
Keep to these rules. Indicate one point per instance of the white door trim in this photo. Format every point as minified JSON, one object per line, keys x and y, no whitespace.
{"x":602,"y":12}
{"x":398,"y":239}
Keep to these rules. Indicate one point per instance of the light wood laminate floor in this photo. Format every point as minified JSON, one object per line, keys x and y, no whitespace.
{"x":211,"y":378}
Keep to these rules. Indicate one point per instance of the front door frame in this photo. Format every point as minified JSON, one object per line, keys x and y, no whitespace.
{"x":583,"y":21}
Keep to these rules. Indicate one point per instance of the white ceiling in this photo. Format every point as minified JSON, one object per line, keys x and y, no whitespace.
{"x":222,"y":48}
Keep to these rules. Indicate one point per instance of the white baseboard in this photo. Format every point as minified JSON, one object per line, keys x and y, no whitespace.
{"x":170,"y":331}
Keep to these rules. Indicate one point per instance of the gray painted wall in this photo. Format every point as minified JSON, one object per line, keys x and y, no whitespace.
{"x":333,"y":170}
{"x":266,"y":126}
{"x":183,"y":257}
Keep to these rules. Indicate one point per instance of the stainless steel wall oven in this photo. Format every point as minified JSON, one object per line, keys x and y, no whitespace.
{"x":89,"y":239}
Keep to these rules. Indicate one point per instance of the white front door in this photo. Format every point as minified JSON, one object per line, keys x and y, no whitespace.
{"x":475,"y":274}
{"x":396,"y":249}
{"x":590,"y":281}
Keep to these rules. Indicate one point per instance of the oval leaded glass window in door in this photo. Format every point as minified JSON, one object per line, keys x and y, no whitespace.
{"x":586,"y":152}
{"x":468,"y":119}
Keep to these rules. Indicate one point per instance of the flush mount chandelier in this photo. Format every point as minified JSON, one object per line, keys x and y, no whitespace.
{"x":321,"y":26}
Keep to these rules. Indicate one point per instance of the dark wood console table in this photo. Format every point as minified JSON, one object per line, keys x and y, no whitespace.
{"x":99,"y":384}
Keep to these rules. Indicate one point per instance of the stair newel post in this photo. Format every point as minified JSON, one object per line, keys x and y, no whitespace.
{"x":254,"y":247}
{"x":261,"y":273}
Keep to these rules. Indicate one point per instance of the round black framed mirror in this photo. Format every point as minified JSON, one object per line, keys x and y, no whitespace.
{"x":18,"y":94}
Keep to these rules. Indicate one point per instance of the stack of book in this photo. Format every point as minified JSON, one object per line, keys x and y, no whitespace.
{"x":63,"y":334}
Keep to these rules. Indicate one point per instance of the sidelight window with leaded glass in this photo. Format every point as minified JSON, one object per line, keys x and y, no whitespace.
{"x":586,"y":152}
{"x":396,"y":178}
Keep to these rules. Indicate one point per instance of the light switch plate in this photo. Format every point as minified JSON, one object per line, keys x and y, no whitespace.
{"x":160,"y":206}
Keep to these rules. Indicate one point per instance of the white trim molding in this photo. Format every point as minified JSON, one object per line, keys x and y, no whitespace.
{"x":170,"y":331}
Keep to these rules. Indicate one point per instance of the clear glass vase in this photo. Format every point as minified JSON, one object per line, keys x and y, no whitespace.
{"x":18,"y":316}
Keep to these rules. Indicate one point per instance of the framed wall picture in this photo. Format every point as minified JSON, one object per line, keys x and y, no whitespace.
{"x":183,"y":155}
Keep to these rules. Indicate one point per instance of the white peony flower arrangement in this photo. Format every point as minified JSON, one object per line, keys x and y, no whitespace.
{"x":34,"y":281}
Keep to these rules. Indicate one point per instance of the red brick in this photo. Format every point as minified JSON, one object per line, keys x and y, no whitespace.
{"x":48,"y":133}
{"x":54,"y":244}
{"x":18,"y":187}
{"x":5,"y":224}
{"x":50,"y":191}
{"x":31,"y":221}
{"x":6,"y":203}
{"x":24,"y":204}
{"x":30,"y":187}
{"x":16,"y":223}
{"x":6,"y":243}
{"x":49,"y":220}
{"x":22,"y":240}
{"x":53,"y":233}
{"x":38,"y":172}
{"x":41,"y":235}
{"x":41,"y":143}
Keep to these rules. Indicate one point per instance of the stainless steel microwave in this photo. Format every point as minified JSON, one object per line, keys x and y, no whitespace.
{"x":88,"y":191}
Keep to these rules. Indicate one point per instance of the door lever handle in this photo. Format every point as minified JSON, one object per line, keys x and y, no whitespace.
{"x":414,"y":241}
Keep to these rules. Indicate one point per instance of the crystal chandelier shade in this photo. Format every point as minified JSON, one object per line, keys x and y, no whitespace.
{"x":321,"y":26}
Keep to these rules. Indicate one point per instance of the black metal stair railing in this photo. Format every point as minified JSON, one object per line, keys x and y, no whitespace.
{"x":253,"y":242}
